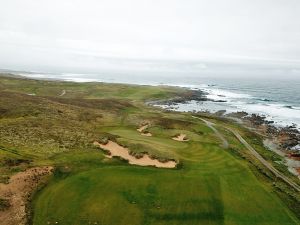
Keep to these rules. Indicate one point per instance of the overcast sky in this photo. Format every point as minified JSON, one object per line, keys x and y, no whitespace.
{"x":174,"y":35}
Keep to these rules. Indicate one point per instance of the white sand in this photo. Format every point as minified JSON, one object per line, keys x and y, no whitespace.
{"x":117,"y":150}
{"x":148,"y":134}
{"x":180,"y":137}
{"x":141,"y":130}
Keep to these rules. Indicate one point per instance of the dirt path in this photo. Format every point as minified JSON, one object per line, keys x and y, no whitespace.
{"x":17,"y":193}
{"x":211,"y":126}
{"x":263,"y":161}
{"x":117,"y":150}
{"x":252,"y":151}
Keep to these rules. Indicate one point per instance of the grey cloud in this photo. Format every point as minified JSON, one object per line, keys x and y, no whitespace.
{"x":167,"y":35}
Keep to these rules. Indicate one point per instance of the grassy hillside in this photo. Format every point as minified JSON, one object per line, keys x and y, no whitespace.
{"x":212,"y":185}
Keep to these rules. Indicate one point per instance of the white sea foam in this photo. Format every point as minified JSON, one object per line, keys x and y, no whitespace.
{"x":219,"y":94}
{"x":278,"y":112}
{"x":81,"y":80}
{"x":234,"y":102}
{"x":34,"y":75}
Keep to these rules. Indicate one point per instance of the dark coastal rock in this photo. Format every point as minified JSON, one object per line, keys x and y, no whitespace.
{"x":191,"y":95}
{"x":269,"y":122}
{"x":220,"y":113}
{"x":239,"y":115}
{"x":287,"y":137}
{"x":217,"y":100}
{"x":196,"y":95}
{"x":272,"y":130}
{"x":257,"y":120}
{"x":264,"y":99}
{"x":293,"y":126}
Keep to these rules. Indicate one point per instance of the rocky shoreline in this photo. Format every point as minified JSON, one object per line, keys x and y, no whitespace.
{"x":287,"y":138}
{"x":190,"y":95}
{"x":284,"y":141}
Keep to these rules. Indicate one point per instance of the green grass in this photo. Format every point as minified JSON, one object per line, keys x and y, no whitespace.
{"x":215,"y":189}
{"x":90,"y":90}
{"x":212,"y":185}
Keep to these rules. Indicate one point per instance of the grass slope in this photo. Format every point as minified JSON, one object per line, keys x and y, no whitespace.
{"x":212,"y":188}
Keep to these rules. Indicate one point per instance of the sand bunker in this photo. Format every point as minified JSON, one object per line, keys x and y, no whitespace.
{"x":117,"y":150}
{"x":180,"y":137}
{"x":142,"y":128}
{"x":143,"y":132}
{"x":148,"y":134}
{"x":17,"y":192}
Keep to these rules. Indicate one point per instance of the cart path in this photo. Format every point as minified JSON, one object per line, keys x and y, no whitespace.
{"x":263,"y":161}
{"x":211,"y":126}
{"x":252,"y":151}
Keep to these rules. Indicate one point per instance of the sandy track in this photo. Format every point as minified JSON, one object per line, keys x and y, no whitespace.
{"x":253,"y":152}
{"x":118,"y":150}
{"x":263,"y":161}
{"x":18,"y":191}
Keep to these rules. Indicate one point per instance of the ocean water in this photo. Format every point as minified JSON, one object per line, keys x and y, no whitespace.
{"x":276,"y":98}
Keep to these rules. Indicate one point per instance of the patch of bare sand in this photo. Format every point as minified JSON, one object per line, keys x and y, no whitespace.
{"x":142,"y":128}
{"x":18,"y":192}
{"x":118,"y":150}
{"x":147,"y":134}
{"x":180,"y":137}
{"x":143,"y":132}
